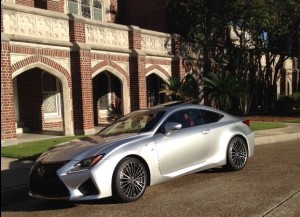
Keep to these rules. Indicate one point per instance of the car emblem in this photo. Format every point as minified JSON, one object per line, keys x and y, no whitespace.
{"x":41,"y":171}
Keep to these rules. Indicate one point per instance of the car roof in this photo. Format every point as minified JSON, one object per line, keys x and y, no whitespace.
{"x":176,"y":105}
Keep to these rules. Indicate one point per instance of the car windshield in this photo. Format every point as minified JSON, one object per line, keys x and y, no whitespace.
{"x":135,"y":122}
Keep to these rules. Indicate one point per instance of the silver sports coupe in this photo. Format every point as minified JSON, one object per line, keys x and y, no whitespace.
{"x":143,"y":148}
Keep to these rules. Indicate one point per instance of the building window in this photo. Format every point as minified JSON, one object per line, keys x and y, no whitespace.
{"x":73,"y":6}
{"x":51,"y":96}
{"x":87,"y":8}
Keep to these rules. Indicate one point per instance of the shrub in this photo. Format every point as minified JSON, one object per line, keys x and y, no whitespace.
{"x":284,"y":103}
{"x":296,"y":97}
{"x":288,"y":102}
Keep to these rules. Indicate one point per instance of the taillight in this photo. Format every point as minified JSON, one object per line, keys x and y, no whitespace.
{"x":247,"y":122}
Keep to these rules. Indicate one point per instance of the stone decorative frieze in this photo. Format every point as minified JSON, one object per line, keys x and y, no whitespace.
{"x":107,"y":37}
{"x":33,"y":25}
{"x":156,"y":43}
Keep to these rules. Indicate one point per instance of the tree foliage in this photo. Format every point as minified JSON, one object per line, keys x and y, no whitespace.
{"x":266,"y":30}
{"x":221,"y":88}
{"x":180,"y":89}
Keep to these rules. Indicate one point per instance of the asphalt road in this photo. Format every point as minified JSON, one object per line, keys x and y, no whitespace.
{"x":268,"y":186}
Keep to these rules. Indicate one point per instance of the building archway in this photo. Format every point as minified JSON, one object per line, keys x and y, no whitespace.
{"x":154,"y":86}
{"x":42,"y":99}
{"x":110,"y":96}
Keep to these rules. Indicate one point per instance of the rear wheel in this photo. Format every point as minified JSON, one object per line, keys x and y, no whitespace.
{"x":237,"y":154}
{"x":129,"y":180}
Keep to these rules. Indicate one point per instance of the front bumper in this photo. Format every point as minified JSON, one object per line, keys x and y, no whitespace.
{"x":51,"y":181}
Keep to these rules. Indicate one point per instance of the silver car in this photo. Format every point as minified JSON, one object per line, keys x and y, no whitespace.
{"x":143,"y":148}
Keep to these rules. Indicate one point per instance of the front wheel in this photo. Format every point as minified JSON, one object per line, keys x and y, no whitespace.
{"x":237,"y":154}
{"x":129,"y":180}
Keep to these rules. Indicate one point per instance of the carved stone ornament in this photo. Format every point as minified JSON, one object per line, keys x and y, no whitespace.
{"x":25,"y":24}
{"x":106,"y":37}
{"x":156,"y":43}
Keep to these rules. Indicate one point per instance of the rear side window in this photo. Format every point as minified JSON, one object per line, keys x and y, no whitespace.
{"x":210,"y":117}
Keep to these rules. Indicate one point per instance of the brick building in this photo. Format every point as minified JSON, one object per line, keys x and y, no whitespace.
{"x":73,"y":64}
{"x":69,"y":65}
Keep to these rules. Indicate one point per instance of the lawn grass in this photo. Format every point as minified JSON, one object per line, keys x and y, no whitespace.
{"x":294,"y":121}
{"x":254,"y":125}
{"x":32,"y":150}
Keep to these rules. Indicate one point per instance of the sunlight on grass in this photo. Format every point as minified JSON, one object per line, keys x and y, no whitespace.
{"x":32,"y":150}
{"x":294,"y":121}
{"x":265,"y":125}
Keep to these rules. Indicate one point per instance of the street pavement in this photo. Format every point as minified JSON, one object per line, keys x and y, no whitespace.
{"x":15,"y":173}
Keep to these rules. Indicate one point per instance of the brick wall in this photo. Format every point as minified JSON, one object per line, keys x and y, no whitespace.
{"x":52,"y":125}
{"x":29,"y":3}
{"x":138,"y":88}
{"x":30,"y":98}
{"x":8,"y":128}
{"x":77,"y":30}
{"x":135,"y":39}
{"x":147,"y":14}
{"x":138,"y":84}
{"x":114,"y":10}
{"x":55,"y":5}
{"x":82,"y":90}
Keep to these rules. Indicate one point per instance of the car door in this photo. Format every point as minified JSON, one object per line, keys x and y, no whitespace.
{"x":185,"y":147}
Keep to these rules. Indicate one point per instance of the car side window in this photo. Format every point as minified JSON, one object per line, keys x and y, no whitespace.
{"x":196,"y":116}
{"x":183,"y":118}
{"x":210,"y":117}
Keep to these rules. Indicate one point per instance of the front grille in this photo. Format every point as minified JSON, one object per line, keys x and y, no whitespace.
{"x":45,"y":182}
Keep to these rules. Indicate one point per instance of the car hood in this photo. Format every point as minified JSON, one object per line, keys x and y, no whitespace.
{"x":82,"y":148}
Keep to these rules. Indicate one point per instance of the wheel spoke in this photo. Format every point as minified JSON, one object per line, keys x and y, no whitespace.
{"x":132,"y":180}
{"x":239,"y":153}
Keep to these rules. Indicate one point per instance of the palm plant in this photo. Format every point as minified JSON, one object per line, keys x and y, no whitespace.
{"x":221,"y":88}
{"x":179,"y":89}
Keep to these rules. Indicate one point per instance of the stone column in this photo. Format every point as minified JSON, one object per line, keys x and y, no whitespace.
{"x":82,"y":88}
{"x":8,"y":120}
{"x":138,"y":88}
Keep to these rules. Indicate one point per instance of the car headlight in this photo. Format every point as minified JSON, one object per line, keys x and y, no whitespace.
{"x":86,"y":164}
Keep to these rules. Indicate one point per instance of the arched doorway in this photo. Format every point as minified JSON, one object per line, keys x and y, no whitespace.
{"x":42,"y":100}
{"x":154,"y":86}
{"x":38,"y":102}
{"x":107,"y":98}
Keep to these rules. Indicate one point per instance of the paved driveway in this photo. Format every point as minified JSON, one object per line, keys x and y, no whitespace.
{"x":268,"y":186}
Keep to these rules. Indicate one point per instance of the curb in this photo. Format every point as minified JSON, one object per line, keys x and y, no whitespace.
{"x":276,"y":138}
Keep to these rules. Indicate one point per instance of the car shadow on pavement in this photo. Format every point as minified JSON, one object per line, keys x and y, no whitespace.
{"x":48,"y":205}
{"x":215,"y":170}
{"x":14,"y":181}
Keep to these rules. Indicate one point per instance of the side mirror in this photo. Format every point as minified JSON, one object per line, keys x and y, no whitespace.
{"x":171,"y":126}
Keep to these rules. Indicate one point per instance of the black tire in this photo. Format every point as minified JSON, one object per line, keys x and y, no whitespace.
{"x":129,"y":180}
{"x":237,"y":154}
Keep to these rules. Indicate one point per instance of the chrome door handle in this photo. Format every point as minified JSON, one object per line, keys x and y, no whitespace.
{"x":206,"y":131}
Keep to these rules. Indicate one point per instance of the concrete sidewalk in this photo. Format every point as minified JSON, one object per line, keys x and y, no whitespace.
{"x":15,"y":173}
{"x":291,"y":132}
